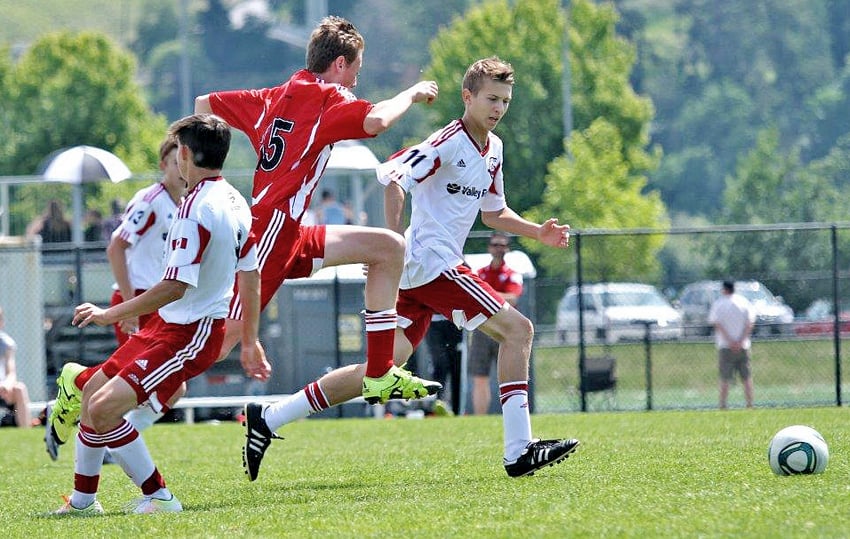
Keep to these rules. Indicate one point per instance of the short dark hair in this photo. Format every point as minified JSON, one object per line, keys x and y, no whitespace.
{"x":729,"y":286}
{"x":207,"y":135}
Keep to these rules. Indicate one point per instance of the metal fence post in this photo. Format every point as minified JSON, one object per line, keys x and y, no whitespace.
{"x":582,"y":352}
{"x":836,"y":334}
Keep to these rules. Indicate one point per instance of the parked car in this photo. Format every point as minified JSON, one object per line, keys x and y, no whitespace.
{"x":615,"y":312}
{"x":773,"y":316}
{"x":818,"y":319}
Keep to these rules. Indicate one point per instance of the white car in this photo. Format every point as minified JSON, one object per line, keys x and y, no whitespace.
{"x":615,"y":312}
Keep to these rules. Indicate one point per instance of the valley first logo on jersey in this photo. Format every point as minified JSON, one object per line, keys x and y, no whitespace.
{"x":472,"y":192}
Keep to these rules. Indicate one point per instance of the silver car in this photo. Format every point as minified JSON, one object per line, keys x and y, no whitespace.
{"x":773,"y":316}
{"x":615,"y":312}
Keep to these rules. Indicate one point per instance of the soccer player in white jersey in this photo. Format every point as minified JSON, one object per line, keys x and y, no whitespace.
{"x":135,"y":254}
{"x":209,"y":242}
{"x":451,"y":176}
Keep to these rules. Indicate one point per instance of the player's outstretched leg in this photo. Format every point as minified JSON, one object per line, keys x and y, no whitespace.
{"x":258,"y":437}
{"x":66,"y":410}
{"x":397,"y":383}
{"x":540,"y":453}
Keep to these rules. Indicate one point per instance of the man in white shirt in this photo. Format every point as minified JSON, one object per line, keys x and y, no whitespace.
{"x":733,"y":317}
{"x":208,"y":244}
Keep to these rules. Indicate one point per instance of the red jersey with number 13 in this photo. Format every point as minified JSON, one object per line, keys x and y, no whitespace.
{"x":292,"y":127}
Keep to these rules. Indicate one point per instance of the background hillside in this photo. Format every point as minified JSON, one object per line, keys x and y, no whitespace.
{"x":725,"y":79}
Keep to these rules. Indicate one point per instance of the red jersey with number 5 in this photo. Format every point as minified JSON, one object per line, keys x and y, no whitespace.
{"x":292,"y":127}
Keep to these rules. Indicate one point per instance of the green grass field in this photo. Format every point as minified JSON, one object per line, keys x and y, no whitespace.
{"x":637,"y":474}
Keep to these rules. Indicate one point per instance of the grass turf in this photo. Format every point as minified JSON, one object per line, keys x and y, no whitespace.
{"x":637,"y":474}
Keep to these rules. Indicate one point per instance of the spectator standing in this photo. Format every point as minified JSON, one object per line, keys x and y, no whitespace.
{"x":52,"y":226}
{"x":484,"y":350}
{"x":733,"y":317}
{"x":94,"y":226}
{"x":12,"y":392}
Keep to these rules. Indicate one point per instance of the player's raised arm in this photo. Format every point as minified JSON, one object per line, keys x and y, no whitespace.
{"x":385,"y":113}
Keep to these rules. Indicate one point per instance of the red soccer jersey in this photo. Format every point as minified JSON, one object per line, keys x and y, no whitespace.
{"x":292,"y":127}
{"x":502,"y":279}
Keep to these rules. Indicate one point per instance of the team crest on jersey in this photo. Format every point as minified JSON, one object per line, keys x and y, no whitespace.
{"x":142,"y":363}
{"x":492,"y":166}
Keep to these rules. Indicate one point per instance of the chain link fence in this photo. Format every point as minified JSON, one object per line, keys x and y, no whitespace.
{"x":798,"y":347}
{"x":797,"y":361}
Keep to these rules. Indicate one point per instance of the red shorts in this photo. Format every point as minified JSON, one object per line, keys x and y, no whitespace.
{"x":286,"y":250}
{"x":458,"y":294}
{"x":143,"y":319}
{"x":162,"y":356}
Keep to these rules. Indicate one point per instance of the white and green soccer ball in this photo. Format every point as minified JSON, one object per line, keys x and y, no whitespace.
{"x":797,"y":449}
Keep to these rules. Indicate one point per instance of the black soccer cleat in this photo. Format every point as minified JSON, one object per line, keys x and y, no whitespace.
{"x":540,"y":453}
{"x":258,"y":437}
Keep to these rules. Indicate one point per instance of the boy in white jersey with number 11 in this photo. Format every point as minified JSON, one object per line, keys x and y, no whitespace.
{"x":451,"y":176}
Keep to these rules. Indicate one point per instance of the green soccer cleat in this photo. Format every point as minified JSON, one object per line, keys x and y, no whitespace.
{"x":397,"y":383}
{"x":67,"y":509}
{"x":66,"y":409}
{"x":149,"y":504}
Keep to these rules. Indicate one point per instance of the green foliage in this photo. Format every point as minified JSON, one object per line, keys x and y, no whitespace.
{"x":637,"y":474}
{"x":733,"y":75}
{"x":600,"y":65}
{"x":76,"y":89}
{"x":772,"y":186}
{"x":68,"y":90}
{"x":595,"y":188}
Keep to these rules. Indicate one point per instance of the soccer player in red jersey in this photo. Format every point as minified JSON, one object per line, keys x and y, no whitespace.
{"x":293,"y":127}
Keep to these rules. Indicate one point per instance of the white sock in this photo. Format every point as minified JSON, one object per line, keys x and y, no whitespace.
{"x":143,"y":417}
{"x":287,"y":410}
{"x":515,"y":418}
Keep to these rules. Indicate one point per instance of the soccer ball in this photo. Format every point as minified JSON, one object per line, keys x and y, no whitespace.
{"x":797,"y":450}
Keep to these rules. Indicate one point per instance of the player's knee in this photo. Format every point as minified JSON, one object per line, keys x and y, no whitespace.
{"x":393,"y":244}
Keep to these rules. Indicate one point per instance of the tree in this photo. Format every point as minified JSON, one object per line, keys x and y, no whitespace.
{"x":723,"y":71}
{"x":772,"y":186}
{"x":594,"y":188}
{"x":71,"y":89}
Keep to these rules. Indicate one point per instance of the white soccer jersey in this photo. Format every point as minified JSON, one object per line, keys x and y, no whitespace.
{"x":208,"y":243}
{"x":449,"y":180}
{"x":145,"y":226}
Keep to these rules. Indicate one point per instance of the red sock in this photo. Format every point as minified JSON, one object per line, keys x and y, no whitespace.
{"x":85,"y":376}
{"x":380,"y":338}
